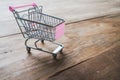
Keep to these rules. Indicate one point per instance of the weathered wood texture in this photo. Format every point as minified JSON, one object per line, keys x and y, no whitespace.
{"x":103,"y":67}
{"x":82,"y":40}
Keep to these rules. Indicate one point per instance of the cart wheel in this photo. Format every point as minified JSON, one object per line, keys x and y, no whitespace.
{"x":42,"y":41}
{"x":61,"y":51}
{"x":28,"y":50}
{"x":54,"y":56}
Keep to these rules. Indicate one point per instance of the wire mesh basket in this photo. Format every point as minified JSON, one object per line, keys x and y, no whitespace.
{"x":35,"y":24}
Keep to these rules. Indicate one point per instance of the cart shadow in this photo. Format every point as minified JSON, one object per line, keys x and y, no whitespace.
{"x":47,"y":57}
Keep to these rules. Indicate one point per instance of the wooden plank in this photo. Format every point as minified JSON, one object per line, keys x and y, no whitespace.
{"x":105,"y":66}
{"x":82,"y":41}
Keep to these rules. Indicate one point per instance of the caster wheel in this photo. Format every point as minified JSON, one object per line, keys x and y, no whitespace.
{"x":28,"y":50}
{"x":54,"y":56}
{"x":42,"y":41}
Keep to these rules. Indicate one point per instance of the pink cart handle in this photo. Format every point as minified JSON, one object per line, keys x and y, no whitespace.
{"x":11,"y":8}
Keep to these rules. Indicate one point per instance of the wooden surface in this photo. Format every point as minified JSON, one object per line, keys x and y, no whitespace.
{"x":103,"y":67}
{"x":82,"y":41}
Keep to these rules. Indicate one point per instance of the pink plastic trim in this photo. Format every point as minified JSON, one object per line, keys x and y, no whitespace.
{"x":11,"y":8}
{"x":59,"y":31}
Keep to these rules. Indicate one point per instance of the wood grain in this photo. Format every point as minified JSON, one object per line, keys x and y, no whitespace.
{"x":82,"y":41}
{"x":102,"y":67}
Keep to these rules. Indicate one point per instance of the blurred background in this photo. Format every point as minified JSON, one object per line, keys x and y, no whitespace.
{"x":70,"y":10}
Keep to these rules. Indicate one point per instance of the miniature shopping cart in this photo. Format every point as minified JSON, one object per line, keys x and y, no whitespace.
{"x":42,"y":27}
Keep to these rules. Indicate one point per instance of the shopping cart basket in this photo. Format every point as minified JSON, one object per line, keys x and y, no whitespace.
{"x":35,"y":24}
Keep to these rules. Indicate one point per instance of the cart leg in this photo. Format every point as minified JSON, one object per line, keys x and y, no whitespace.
{"x":54,"y":56}
{"x":28,"y":50}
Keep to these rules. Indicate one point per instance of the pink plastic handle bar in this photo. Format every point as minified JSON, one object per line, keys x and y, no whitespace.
{"x":11,"y":8}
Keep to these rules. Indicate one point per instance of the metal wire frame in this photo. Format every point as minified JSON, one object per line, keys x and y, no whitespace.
{"x":35,"y":24}
{"x":37,"y":48}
